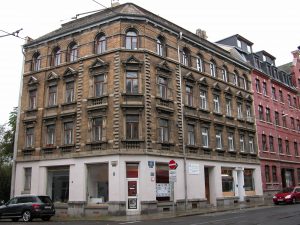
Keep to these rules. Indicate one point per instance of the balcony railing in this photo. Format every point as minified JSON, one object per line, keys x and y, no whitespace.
{"x":132,"y":144}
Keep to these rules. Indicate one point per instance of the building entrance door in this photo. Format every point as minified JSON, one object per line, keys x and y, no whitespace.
{"x":132,"y":181}
{"x":207,"y":186}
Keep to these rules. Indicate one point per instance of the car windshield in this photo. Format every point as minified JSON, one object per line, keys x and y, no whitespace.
{"x":286,"y":190}
{"x":45,"y":199}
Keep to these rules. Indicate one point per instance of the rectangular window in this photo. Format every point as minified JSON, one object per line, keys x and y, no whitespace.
{"x":50,"y":138}
{"x":249,"y":113}
{"x":239,"y":111}
{"x":132,"y":82}
{"x":267,"y":173}
{"x":274,"y":174}
{"x":295,"y":102}
{"x":287,"y":147}
{"x":189,"y":96}
{"x":32,"y":99}
{"x":29,"y":137}
{"x":227,"y":182}
{"x":293,"y":123}
{"x":268,"y":115}
{"x":271,"y":143}
{"x":162,"y":87}
{"x":132,"y":127}
{"x":230,"y":142}
{"x":264,"y":142}
{"x":274,"y":93}
{"x":289,"y":100}
{"x":239,"y":43}
{"x":191,"y":134}
{"x":242,"y":143}
{"x":224,"y":75}
{"x":99,"y":85}
{"x":199,"y":64}
{"x":69,"y":92}
{"x":27,"y":179}
{"x":212,"y":69}
{"x":97,"y":127}
{"x":163,"y":130}
{"x":281,"y":96}
{"x":280,"y":149}
{"x":296,"y":148}
{"x":203,"y":99}
{"x":248,"y":180}
{"x":265,"y":91}
{"x":251,"y":144}
{"x":162,"y":182}
{"x":257,"y":85}
{"x":216,"y":103}
{"x":52,"y":96}
{"x":218,"y":139}
{"x":298,"y":124}
{"x":284,"y":120}
{"x":204,"y":134}
{"x":260,"y":112}
{"x":68,"y":133}
{"x":228,"y":107}
{"x":277,"y":119}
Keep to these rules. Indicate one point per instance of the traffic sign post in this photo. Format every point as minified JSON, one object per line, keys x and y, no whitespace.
{"x":172,"y":179}
{"x":173,"y":165}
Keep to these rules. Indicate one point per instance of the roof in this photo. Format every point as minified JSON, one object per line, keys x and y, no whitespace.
{"x":286,"y":67}
{"x":266,"y":54}
{"x":240,"y":37}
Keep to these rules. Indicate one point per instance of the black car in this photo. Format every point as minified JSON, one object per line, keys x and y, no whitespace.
{"x":27,"y":207}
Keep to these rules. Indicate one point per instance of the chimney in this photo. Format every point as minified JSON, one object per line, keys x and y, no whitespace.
{"x":115,"y":3}
{"x":201,"y":33}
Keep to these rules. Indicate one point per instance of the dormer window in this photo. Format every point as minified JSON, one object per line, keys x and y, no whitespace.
{"x":239,"y":43}
{"x":264,"y":58}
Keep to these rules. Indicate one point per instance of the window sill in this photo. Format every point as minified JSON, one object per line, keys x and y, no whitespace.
{"x":31,"y":110}
{"x":164,"y":99}
{"x":206,"y":148}
{"x":217,"y":113}
{"x":132,"y":94}
{"x":204,"y":110}
{"x":192,"y":146}
{"x":190,"y":107}
{"x":230,"y":117}
{"x":51,"y":107}
{"x":68,"y":103}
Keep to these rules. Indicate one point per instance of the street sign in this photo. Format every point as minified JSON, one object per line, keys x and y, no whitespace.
{"x":172,"y":176}
{"x":172,"y":164}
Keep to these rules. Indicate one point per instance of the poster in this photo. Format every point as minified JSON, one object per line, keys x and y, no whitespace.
{"x":132,"y":203}
{"x":162,"y":190}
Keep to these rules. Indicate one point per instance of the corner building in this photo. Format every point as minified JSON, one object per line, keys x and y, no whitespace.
{"x":109,"y":99}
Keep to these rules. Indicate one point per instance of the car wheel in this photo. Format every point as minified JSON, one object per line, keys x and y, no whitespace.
{"x":46,"y":218}
{"x":26,"y":216}
{"x":276,"y":203}
{"x":15,"y":219}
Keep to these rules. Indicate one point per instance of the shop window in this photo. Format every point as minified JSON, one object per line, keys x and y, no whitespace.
{"x":227,"y":182}
{"x":132,"y":170}
{"x":58,"y":184}
{"x":163,"y":192}
{"x":248,"y":180}
{"x":97,"y":183}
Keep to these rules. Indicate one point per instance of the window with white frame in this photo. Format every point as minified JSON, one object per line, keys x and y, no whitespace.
{"x":52,"y":92}
{"x":185,"y":56}
{"x":131,"y":41}
{"x":251,"y":144}
{"x":230,"y":141}
{"x":205,"y":137}
{"x":216,"y":103}
{"x":160,"y":46}
{"x":56,"y":56}
{"x":29,"y":137}
{"x":212,"y":67}
{"x":191,"y":134}
{"x":249,"y":113}
{"x":100,"y":44}
{"x":199,"y":63}
{"x":70,"y":92}
{"x":68,"y":133}
{"x":189,"y":95}
{"x":218,"y":139}
{"x":132,"y":127}
{"x":99,"y":85}
{"x":163,"y":130}
{"x":32,"y":99}
{"x":97,"y":128}
{"x":239,"y":110}
{"x":27,"y":178}
{"x":132,"y":82}
{"x":163,"y":87}
{"x":224,"y":74}
{"x":235,"y":78}
{"x":264,"y":89}
{"x":50,"y":132}
{"x":203,"y":99}
{"x":73,"y":52}
{"x":242,"y":143}
{"x":36,"y":62}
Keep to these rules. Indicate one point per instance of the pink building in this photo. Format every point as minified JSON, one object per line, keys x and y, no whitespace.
{"x":277,"y":111}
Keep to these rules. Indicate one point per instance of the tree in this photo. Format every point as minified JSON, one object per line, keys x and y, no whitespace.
{"x":7,"y":137}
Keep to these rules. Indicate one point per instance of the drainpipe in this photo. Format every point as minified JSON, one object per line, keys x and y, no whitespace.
{"x":182,"y":121}
{"x":13,"y":173}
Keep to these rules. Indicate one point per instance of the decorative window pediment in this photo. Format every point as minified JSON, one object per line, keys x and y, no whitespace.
{"x":239,"y":95}
{"x":52,"y":76}
{"x":163,"y":67}
{"x":189,"y":77}
{"x":98,"y":67}
{"x":132,"y":63}
{"x":249,"y":98}
{"x":216,"y":87}
{"x":202,"y":81}
{"x":33,"y":81}
{"x":228,"y":91}
{"x":69,"y":73}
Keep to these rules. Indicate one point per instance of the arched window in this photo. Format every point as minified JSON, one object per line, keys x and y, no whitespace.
{"x":213,"y":71}
{"x":243,"y":82}
{"x":199,"y":63}
{"x":131,"y":41}
{"x":100,"y":44}
{"x":185,"y":56}
{"x":56,"y":56}
{"x":224,"y":74}
{"x":160,"y":46}
{"x":36,"y":62}
{"x":235,"y":78}
{"x":72,"y":52}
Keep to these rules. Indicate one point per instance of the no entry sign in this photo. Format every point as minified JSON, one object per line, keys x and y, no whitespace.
{"x":172,"y":165}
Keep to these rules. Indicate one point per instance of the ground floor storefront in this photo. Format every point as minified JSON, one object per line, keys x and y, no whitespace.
{"x":131,"y":184}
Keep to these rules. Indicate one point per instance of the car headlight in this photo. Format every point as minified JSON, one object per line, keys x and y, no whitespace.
{"x":288,"y":196}
{"x":274,"y":197}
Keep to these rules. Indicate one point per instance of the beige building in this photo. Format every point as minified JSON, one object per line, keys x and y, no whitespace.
{"x":109,"y":99}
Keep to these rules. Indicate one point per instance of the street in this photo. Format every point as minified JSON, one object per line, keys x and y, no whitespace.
{"x":277,"y":215}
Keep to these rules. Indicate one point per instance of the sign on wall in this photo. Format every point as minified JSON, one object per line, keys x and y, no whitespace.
{"x":194,"y":168}
{"x":162,"y":190}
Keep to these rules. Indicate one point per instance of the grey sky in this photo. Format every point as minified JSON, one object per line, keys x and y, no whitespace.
{"x":271,"y":25}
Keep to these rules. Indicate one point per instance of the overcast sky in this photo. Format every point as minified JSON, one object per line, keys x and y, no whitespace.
{"x":271,"y":25}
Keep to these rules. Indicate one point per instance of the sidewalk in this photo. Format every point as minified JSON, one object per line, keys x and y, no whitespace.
{"x":164,"y":215}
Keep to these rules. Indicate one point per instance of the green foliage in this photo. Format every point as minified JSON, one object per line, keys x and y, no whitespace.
{"x":5,"y":179}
